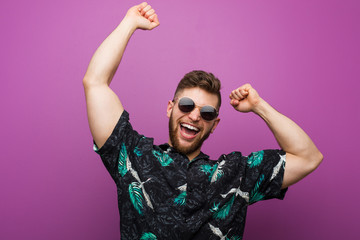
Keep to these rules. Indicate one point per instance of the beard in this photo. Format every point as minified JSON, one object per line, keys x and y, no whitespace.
{"x":186,"y":150}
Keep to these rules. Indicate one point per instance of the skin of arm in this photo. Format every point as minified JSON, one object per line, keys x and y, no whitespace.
{"x":302,"y":156}
{"x":103,"y":106}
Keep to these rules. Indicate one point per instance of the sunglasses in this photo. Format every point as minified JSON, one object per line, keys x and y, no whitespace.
{"x":186,"y":105}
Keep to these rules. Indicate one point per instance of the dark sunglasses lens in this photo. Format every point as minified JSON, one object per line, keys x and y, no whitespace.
{"x":208,"y":113}
{"x":186,"y":104}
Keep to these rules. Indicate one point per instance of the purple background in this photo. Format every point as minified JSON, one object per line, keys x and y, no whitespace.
{"x":301,"y":56}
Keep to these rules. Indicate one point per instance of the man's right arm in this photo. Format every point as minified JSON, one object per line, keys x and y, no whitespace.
{"x":103,"y":106}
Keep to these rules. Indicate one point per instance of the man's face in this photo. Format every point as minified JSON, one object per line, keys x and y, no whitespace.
{"x":189,"y":130}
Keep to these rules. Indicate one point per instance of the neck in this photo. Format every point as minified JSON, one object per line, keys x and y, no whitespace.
{"x":193,"y":155}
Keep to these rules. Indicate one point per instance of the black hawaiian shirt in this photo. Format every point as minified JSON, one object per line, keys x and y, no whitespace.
{"x":163,"y":195}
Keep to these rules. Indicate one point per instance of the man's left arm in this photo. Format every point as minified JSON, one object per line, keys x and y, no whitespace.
{"x":302,"y":156}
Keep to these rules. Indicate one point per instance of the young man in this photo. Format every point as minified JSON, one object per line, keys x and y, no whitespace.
{"x":173,"y":191}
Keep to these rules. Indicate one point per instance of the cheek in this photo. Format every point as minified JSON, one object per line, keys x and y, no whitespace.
{"x":177,"y":115}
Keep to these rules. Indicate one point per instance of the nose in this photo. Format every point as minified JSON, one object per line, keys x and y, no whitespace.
{"x":194,"y":115}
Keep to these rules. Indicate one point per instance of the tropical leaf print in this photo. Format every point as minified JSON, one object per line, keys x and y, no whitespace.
{"x":133,"y":171}
{"x":148,"y":236}
{"x":182,"y":187}
{"x":147,"y":198}
{"x":136,"y":196}
{"x":139,"y":184}
{"x":223,"y":212}
{"x":255,"y":195}
{"x":216,"y":176}
{"x":216,"y":231}
{"x":123,"y":159}
{"x":237,"y":191}
{"x":280,"y":164}
{"x":180,"y":199}
{"x":206,"y":168}
{"x":163,"y":158}
{"x":255,"y":159}
{"x":218,"y":172}
{"x":258,"y":183}
{"x":137,"y":151}
{"x":235,"y":238}
{"x":215,"y":208}
{"x":215,"y":172}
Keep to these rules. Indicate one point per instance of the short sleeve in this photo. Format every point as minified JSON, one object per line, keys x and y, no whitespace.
{"x":122,"y":140}
{"x":264,"y":172}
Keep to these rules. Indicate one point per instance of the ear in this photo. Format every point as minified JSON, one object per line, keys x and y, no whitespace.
{"x":169,"y":108}
{"x":215,"y":124}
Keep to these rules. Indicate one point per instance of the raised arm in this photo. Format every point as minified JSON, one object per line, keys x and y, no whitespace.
{"x":103,"y":106}
{"x":302,"y":156}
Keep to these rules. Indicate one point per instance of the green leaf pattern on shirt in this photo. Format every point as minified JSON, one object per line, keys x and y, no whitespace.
{"x":123,"y":160}
{"x":255,"y":194}
{"x":255,"y":159}
{"x":206,"y":168}
{"x":137,"y":191}
{"x":163,"y":158}
{"x":138,"y":152}
{"x":235,"y":238}
{"x":136,"y":196}
{"x":180,"y":199}
{"x":148,"y":236}
{"x":223,"y":212}
{"x":215,"y":172}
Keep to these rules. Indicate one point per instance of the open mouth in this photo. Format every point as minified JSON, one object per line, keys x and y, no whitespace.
{"x":188,"y":130}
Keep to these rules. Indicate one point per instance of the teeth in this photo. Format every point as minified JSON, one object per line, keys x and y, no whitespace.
{"x":190,"y":127}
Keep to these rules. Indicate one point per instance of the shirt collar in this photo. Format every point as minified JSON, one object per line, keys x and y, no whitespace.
{"x":168,"y":148}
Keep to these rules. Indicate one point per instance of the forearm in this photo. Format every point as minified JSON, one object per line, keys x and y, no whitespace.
{"x":302,"y":156}
{"x":291,"y":138}
{"x":107,"y":57}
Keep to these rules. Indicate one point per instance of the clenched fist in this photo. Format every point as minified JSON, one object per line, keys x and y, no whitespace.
{"x":245,"y":98}
{"x":143,"y":16}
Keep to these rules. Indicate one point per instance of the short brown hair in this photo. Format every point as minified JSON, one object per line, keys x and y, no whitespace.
{"x":204,"y":80}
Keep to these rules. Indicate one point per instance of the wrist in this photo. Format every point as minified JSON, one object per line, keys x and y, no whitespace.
{"x":262,"y":108}
{"x":129,"y":24}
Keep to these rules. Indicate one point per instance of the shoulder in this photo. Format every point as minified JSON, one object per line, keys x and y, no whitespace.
{"x":230,"y":157}
{"x":232,"y":161}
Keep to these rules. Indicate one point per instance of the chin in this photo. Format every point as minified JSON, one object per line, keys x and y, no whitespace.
{"x":187,"y":147}
{"x":184,"y":146}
